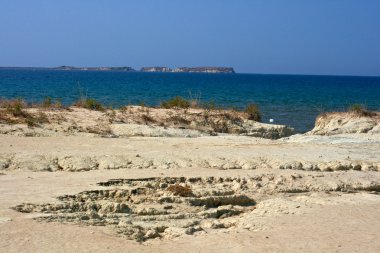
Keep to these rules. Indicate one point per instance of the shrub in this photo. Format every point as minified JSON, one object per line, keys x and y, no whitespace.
{"x":356,"y":108}
{"x":47,"y":102}
{"x":15,"y":107}
{"x":5,"y":119}
{"x":361,"y":110}
{"x":233,"y":116}
{"x":177,"y":101}
{"x":14,"y":113}
{"x":147,"y":119}
{"x":41,"y":118}
{"x":253,"y":112}
{"x":90,"y":103}
{"x":31,"y":121}
{"x":35,"y":120}
{"x":220,"y":127}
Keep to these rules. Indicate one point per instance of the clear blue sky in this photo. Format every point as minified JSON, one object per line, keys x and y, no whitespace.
{"x":297,"y":36}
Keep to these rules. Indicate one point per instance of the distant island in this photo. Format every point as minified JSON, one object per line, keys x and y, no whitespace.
{"x":129,"y":69}
{"x":189,"y":70}
{"x":155,"y":69}
{"x":227,"y":70}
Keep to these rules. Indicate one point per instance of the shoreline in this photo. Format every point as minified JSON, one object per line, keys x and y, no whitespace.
{"x":298,"y":108}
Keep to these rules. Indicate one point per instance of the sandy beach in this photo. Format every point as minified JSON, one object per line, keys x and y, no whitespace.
{"x":140,"y":186}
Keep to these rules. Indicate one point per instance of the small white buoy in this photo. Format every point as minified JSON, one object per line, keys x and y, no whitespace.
{"x":271,"y":120}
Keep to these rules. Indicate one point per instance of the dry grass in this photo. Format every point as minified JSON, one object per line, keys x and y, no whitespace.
{"x":253,"y":112}
{"x":355,"y":110}
{"x":176,"y":102}
{"x":99,"y":129}
{"x":90,"y":103}
{"x":50,"y":103}
{"x":361,"y":111}
{"x":205,"y":118}
{"x":178,"y":120}
{"x":13,"y":112}
{"x":147,"y":119}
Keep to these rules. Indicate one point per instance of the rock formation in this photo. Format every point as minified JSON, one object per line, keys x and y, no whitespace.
{"x":346,"y":123}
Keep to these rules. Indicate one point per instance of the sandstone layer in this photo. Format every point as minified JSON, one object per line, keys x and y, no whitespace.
{"x":347,"y":123}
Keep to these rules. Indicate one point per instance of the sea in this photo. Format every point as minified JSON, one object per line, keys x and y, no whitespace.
{"x":293,"y":100}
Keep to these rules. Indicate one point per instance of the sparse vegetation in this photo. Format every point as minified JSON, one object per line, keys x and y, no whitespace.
{"x":194,"y":99}
{"x":14,"y":113}
{"x":253,"y":112}
{"x":356,"y":108}
{"x":233,"y":116}
{"x":220,"y":127}
{"x":211,"y":105}
{"x":178,"y":120}
{"x":207,"y":118}
{"x":35,"y":120}
{"x":146,"y":118}
{"x":47,"y":102}
{"x":5,"y":119}
{"x":91,"y":104}
{"x":41,"y":118}
{"x":361,"y":110}
{"x":15,"y":107}
{"x":50,"y":103}
{"x":176,"y":102}
{"x":31,"y":121}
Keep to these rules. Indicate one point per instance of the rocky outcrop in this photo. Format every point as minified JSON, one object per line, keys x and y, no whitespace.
{"x":346,"y":123}
{"x":268,"y":131}
{"x":146,"y":208}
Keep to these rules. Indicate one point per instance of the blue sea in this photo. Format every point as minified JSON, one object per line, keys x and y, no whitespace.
{"x":293,"y":100}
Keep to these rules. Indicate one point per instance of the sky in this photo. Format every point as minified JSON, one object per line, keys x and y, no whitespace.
{"x":326,"y":37}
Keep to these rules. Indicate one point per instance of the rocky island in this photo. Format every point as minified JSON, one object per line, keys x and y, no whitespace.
{"x":128,"y":69}
{"x":228,"y":70}
{"x":215,"y":70}
{"x":155,"y":69}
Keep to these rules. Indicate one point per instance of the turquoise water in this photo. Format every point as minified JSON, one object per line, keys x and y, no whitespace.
{"x":294,"y":100}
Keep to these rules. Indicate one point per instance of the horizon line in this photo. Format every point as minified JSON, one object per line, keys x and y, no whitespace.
{"x":236,"y":72}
